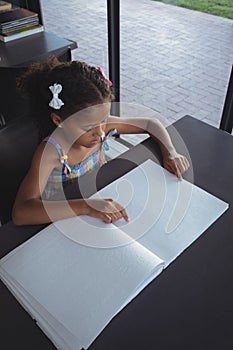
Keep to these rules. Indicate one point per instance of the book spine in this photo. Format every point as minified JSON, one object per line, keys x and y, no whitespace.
{"x":23,"y":34}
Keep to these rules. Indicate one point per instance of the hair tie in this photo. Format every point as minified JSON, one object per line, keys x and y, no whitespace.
{"x":108,"y":82}
{"x":56,"y":102}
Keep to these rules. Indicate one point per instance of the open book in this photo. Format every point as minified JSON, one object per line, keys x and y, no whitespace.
{"x":74,"y":276}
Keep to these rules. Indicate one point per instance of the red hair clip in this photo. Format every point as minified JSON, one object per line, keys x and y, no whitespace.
{"x":109,"y":83}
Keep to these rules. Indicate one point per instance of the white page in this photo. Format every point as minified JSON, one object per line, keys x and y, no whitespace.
{"x":137,"y":192}
{"x":80,"y":287}
{"x":167,"y":215}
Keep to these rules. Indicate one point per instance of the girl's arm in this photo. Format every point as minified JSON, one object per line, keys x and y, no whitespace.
{"x":172,"y":161}
{"x":30,"y":209}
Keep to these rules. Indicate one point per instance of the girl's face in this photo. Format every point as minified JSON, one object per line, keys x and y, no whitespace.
{"x":87,"y":127}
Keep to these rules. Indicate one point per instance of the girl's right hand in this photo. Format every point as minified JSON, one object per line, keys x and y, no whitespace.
{"x":106,"y":209}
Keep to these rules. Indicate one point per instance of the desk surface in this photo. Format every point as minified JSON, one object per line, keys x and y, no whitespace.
{"x":188,"y":306}
{"x":25,"y":50}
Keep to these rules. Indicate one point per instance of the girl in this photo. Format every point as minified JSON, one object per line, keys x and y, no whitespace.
{"x":74,"y":99}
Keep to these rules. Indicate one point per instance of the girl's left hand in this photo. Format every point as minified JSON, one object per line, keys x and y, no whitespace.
{"x":176,"y":163}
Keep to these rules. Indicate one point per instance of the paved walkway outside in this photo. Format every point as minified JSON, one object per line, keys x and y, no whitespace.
{"x":173,"y":60}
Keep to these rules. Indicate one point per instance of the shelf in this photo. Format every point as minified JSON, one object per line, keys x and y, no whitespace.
{"x":36,"y":47}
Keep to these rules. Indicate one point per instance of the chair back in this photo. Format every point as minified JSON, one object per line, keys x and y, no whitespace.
{"x":18,"y":134}
{"x":12,"y":104}
{"x":18,"y":142}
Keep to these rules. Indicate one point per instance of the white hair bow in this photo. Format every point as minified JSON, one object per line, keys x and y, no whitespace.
{"x":56,"y":102}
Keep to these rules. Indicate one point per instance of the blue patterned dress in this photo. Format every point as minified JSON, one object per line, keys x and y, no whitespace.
{"x":68,"y":173}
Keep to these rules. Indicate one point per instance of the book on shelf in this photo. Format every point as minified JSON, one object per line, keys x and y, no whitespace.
{"x":17,"y":18}
{"x":75,"y":275}
{"x":5,"y":6}
{"x":18,"y":34}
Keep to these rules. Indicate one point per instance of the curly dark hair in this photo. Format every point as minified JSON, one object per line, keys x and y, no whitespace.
{"x":82,"y":86}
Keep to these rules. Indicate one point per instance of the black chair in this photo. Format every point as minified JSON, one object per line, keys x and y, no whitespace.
{"x":12,"y":104}
{"x":18,"y":142}
{"x":227,"y":115}
{"x":18,"y":135}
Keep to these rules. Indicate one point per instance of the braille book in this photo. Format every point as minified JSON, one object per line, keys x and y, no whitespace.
{"x":74,"y":276}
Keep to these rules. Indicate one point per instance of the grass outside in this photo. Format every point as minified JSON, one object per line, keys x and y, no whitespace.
{"x":223,"y":8}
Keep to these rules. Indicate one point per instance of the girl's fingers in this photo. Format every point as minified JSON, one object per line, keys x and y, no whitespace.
{"x":177,"y":171}
{"x":177,"y":166}
{"x":173,"y":168}
{"x":124,"y":215}
{"x":114,"y":211}
{"x":120,"y":211}
{"x":186,"y":164}
{"x":106,"y":218}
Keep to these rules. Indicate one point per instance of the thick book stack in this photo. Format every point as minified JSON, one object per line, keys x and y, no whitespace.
{"x":17,"y":23}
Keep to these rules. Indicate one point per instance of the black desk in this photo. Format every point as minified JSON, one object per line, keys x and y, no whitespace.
{"x":190,"y":305}
{"x":36,"y":47}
